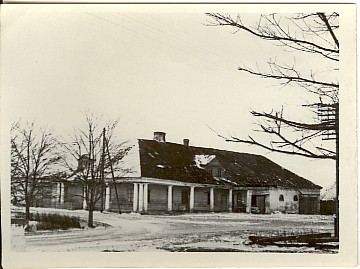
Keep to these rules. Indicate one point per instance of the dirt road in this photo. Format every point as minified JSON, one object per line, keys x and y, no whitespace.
{"x":189,"y":232}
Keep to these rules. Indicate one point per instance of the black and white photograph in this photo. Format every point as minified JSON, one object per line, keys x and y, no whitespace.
{"x":208,"y":129}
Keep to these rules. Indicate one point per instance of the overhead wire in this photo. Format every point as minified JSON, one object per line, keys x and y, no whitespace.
{"x":163,"y":37}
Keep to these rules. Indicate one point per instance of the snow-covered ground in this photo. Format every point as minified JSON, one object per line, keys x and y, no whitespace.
{"x":188,"y":232}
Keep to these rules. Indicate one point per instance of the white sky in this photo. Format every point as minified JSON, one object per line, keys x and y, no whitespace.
{"x":155,"y":71}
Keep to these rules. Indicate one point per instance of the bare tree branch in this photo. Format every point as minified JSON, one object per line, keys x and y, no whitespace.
{"x":313,"y":33}
{"x":33,"y":158}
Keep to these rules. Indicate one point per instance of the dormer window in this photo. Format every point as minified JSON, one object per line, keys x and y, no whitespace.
{"x":215,"y":171}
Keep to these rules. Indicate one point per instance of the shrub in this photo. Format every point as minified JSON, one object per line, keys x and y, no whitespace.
{"x":55,"y":221}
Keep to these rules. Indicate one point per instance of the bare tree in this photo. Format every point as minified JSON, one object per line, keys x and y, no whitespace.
{"x":90,"y":156}
{"x":33,"y":159}
{"x":312,"y":35}
{"x":303,"y":36}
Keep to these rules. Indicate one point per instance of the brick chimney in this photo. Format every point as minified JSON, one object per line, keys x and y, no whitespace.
{"x":159,"y":136}
{"x":186,"y":142}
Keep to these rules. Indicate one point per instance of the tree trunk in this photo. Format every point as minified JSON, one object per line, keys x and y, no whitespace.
{"x":91,"y":218}
{"x":27,"y":210}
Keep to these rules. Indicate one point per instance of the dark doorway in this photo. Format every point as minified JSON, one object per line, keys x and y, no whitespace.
{"x":239,"y":202}
{"x":185,"y":198}
{"x":258,"y":201}
{"x":308,"y":205}
{"x":223,"y":201}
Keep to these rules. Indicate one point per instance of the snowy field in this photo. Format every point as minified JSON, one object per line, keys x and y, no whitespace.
{"x":221,"y":232}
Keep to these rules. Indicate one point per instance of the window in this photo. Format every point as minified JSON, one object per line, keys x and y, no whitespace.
{"x":214,"y":171}
{"x":208,"y":198}
{"x":296,"y":198}
{"x":149,"y":196}
{"x":130,"y":195}
{"x":281,"y":198}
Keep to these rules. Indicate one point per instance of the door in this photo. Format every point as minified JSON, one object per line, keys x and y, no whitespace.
{"x":185,"y":198}
{"x":223,"y":201}
{"x":308,"y":205}
{"x":260,"y":203}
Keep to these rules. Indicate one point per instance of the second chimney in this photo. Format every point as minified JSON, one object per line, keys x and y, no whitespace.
{"x":159,"y":136}
{"x":186,"y":142}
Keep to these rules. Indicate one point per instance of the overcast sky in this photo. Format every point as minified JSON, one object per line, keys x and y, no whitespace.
{"x":155,"y":71}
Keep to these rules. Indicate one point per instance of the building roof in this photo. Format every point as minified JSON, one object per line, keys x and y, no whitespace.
{"x":172,"y":161}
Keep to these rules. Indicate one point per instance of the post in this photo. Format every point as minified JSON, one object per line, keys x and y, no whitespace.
{"x":211,"y":199}
{"x":230,"y":200}
{"x":141,"y":197}
{"x":102,"y":175}
{"x":192,"y":198}
{"x":169,"y":200}
{"x":62,"y":187}
{"x":112,"y":174}
{"x":58,"y":193}
{"x":84,"y":200}
{"x":146,"y":189}
{"x":248,"y":201}
{"x":135,"y":197}
{"x":337,"y":175}
{"x":107,"y":198}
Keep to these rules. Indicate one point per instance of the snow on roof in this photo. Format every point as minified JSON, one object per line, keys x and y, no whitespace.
{"x":201,"y":160}
{"x":129,"y":166}
{"x":226,"y":180}
{"x":328,"y":193}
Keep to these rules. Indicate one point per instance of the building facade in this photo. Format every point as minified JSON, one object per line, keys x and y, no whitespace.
{"x":169,"y":177}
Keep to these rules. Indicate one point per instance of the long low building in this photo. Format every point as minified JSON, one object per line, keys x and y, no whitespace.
{"x":169,"y":177}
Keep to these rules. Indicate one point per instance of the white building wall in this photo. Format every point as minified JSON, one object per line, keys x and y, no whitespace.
{"x":289,"y":205}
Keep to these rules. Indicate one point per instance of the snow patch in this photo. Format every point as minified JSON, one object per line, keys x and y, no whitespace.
{"x":329,"y":193}
{"x":225,"y":180}
{"x":201,"y":160}
{"x":130,"y":163}
{"x":161,"y":166}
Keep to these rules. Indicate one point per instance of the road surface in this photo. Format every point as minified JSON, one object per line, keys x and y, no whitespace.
{"x":189,"y":232}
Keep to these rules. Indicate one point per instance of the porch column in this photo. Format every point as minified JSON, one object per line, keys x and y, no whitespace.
{"x":58,"y":192}
{"x":107,"y":198}
{"x":192,"y":198}
{"x":62,"y":187}
{"x":248,"y":201}
{"x":135,"y":197}
{"x":141,"y":197}
{"x":211,"y":199}
{"x":146,"y":187}
{"x":169,"y":200}
{"x":230,"y":200}
{"x":84,"y":199}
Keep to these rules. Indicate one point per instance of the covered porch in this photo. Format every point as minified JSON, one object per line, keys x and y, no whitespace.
{"x":162,"y":196}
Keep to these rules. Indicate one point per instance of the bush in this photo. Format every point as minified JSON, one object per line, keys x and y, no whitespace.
{"x":55,"y":221}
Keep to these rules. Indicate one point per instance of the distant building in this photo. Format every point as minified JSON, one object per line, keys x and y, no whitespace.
{"x":327,"y":201}
{"x":169,"y":177}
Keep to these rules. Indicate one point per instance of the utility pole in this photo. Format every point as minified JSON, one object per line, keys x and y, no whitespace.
{"x":329,"y":116}
{"x":102,"y":173}
{"x":337,"y":173}
{"x":112,"y":174}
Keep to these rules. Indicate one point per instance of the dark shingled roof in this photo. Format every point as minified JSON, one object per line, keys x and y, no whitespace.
{"x":176,"y":162}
